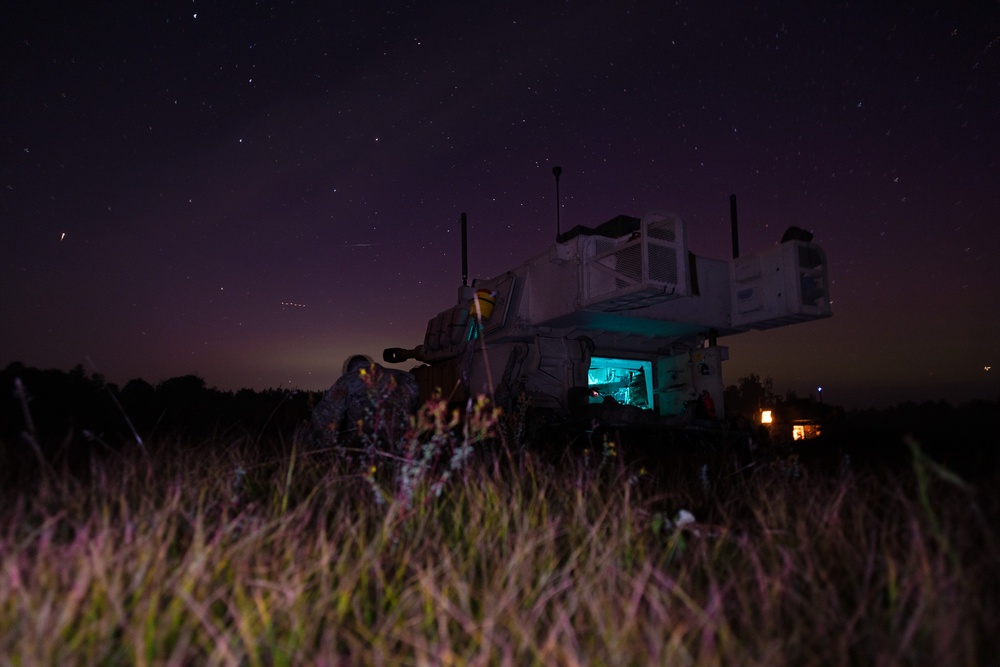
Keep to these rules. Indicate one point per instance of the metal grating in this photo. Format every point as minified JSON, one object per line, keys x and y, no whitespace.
{"x":638,"y":270}
{"x":662,"y":264}
{"x":812,"y":287}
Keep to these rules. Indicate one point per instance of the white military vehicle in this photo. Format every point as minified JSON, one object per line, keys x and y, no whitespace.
{"x":618,"y":322}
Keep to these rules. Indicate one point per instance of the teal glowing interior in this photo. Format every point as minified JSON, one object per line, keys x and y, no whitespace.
{"x":627,"y":381}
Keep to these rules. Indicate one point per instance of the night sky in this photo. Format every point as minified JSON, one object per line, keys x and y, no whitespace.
{"x":252,"y":192}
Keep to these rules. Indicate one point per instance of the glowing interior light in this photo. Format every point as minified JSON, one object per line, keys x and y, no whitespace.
{"x":628,"y":381}
{"x":765,"y":417}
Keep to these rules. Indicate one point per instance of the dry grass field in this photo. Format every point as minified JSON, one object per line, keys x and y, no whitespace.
{"x":459,"y":550}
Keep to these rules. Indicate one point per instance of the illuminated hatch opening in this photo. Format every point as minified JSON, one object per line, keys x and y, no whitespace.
{"x":628,"y":381}
{"x":804,"y":430}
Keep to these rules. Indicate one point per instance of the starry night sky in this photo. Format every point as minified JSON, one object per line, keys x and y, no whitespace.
{"x":252,"y":192}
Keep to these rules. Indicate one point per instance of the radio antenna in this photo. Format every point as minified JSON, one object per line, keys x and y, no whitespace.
{"x":734,"y":227}
{"x":465,"y":253}
{"x":557,"y":172}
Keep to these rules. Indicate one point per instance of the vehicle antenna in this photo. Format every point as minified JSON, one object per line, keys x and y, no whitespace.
{"x":557,"y":171}
{"x":465,"y":253}
{"x":735,"y":228}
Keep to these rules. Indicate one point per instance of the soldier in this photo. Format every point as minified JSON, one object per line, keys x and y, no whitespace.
{"x":372,"y":399}
{"x":707,"y":404}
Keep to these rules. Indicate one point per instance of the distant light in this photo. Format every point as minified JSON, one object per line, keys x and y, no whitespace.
{"x":985,"y":368}
{"x":63,"y":235}
{"x":819,"y":388}
{"x":765,"y":417}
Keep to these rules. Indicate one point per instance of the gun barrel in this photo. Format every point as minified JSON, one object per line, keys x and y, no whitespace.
{"x":397,"y":355}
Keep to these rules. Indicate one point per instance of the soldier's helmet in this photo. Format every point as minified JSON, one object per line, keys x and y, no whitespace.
{"x":356,"y":361}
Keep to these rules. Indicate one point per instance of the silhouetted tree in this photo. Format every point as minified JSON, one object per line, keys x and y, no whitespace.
{"x":63,"y":406}
{"x":138,"y":400}
{"x":748,"y":395}
{"x":188,"y":406}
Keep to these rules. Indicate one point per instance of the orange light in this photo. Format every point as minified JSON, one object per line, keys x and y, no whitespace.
{"x":765,"y":417}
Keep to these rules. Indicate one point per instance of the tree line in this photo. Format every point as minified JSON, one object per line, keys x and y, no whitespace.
{"x":70,"y":411}
{"x":65,"y":407}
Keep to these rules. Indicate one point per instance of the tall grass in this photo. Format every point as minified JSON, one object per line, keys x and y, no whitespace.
{"x":234,"y":554}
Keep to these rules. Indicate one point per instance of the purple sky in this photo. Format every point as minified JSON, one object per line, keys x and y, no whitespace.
{"x":252,"y":194}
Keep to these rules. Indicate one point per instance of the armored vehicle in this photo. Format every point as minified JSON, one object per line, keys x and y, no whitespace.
{"x":618,"y":322}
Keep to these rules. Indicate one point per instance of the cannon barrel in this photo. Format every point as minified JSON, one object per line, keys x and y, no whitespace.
{"x":397,"y":355}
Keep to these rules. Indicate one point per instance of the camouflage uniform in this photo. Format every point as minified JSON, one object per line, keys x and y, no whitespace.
{"x":373,"y":400}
